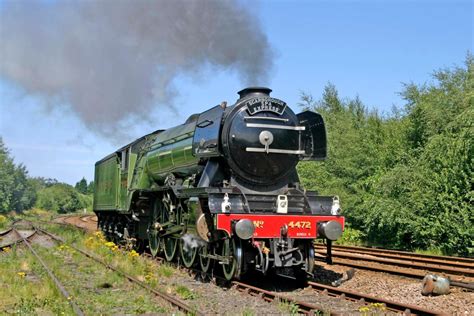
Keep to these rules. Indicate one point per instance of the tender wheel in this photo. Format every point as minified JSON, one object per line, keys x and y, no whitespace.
{"x":204,"y":262}
{"x":170,"y":246}
{"x":188,"y":253}
{"x":232,"y":269}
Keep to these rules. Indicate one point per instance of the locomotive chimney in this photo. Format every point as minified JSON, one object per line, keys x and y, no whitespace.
{"x":254,"y":92}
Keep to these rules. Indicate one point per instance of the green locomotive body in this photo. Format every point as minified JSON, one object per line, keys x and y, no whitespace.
{"x":143,"y":165}
{"x":222,"y":187}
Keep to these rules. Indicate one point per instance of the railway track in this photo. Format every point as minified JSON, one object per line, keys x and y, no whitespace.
{"x":11,"y":237}
{"x":269,"y":296}
{"x":403,"y":263}
{"x":85,"y":222}
{"x":407,"y":309}
{"x":311,"y":309}
{"x":77,"y":310}
{"x":172,"y":300}
{"x":315,"y":309}
{"x":404,"y":254}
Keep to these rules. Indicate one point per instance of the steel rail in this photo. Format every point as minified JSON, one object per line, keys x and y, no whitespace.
{"x":61,"y":288}
{"x":305,"y":308}
{"x":407,"y":309}
{"x":174,"y":301}
{"x":399,"y":252}
{"x":4,"y":232}
{"x":413,"y":257}
{"x":419,"y":275}
{"x":14,"y":242}
{"x":401,"y":263}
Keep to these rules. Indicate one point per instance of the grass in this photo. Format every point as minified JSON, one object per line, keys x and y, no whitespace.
{"x":94,"y":288}
{"x":430,"y":251}
{"x":288,"y":307}
{"x":26,"y":289}
{"x":185,"y":293}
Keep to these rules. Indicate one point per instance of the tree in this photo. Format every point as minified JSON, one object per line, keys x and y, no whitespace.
{"x":16,"y":192}
{"x":81,"y":186}
{"x":23,"y":195}
{"x":7,"y":178}
{"x":406,"y":179}
{"x":90,"y":188}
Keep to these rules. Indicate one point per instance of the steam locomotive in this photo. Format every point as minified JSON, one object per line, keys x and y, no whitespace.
{"x":222,"y":189}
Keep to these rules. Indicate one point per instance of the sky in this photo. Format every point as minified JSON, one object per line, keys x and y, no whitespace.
{"x":366,"y":48}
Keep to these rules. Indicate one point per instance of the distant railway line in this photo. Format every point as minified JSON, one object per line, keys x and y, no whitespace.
{"x":460,"y":270}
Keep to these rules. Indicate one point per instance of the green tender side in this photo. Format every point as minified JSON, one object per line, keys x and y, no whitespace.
{"x":106,"y":184}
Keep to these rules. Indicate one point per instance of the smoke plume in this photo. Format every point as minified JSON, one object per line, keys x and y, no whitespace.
{"x":112,"y":60}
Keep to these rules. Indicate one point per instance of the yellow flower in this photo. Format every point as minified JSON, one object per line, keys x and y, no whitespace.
{"x":21,"y":274}
{"x":133,"y":254}
{"x":7,"y":249}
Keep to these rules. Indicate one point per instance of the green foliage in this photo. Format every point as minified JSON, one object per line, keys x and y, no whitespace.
{"x":16,"y":192}
{"x":352,"y":237}
{"x":81,"y":186}
{"x":185,"y":293}
{"x":61,"y":198}
{"x":90,"y":187}
{"x":404,"y":179}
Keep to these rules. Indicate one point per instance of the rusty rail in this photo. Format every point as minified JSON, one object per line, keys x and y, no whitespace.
{"x":174,"y":301}
{"x":304,"y":308}
{"x":407,"y":309}
{"x":399,"y":253}
{"x":61,"y":288}
{"x":411,"y":263}
{"x":402,"y":272}
{"x":14,"y":242}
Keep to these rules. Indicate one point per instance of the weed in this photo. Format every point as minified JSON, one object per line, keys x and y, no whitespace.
{"x":288,"y":307}
{"x":247,"y":312}
{"x":351,"y":237}
{"x":3,"y":221}
{"x":430,"y":251}
{"x":185,"y":293}
{"x":372,"y":309}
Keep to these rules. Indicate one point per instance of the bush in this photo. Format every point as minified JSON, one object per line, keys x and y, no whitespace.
{"x":61,"y":198}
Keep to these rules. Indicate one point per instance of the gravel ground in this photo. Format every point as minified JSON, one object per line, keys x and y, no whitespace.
{"x":458,"y":278}
{"x":400,"y":289}
{"x":220,"y":299}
